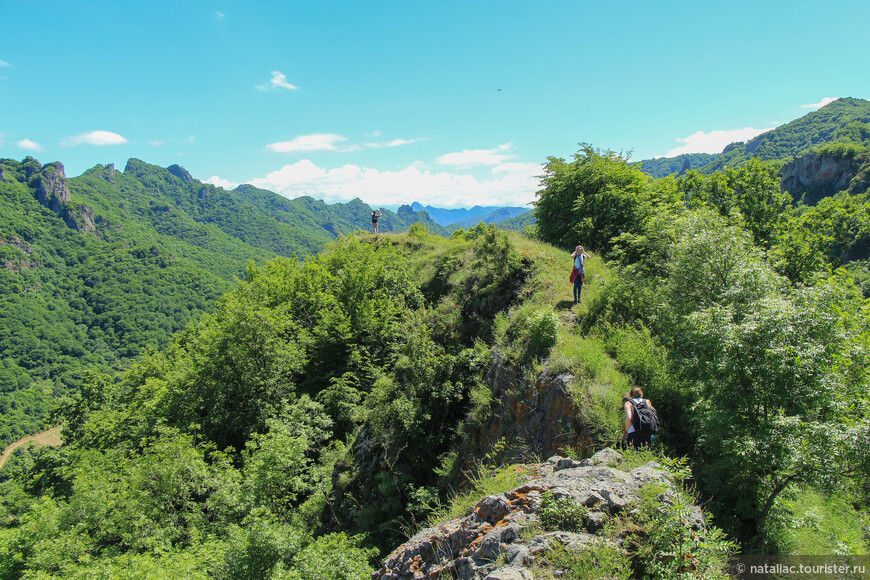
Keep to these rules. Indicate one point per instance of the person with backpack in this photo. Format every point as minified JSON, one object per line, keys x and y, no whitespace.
{"x":641,"y":420}
{"x":578,"y":273}
{"x":375,"y":215}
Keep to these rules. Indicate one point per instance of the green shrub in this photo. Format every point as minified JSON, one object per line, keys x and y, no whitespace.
{"x":599,"y":560}
{"x":543,"y":331}
{"x":486,"y":482}
{"x":561,"y":513}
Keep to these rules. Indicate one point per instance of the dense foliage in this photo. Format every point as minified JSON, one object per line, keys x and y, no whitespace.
{"x":313,"y":415}
{"x":665,"y":166}
{"x":127,"y":261}
{"x":317,"y":398}
{"x":759,"y":338}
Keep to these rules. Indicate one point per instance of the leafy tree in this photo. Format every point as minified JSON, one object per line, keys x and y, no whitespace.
{"x":278,"y":464}
{"x":590,"y":200}
{"x":749,"y":193}
{"x":828,"y":235}
{"x":777,"y":402}
{"x":774,"y":374}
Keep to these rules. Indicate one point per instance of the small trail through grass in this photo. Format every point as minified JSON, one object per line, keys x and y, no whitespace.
{"x":50,"y":437}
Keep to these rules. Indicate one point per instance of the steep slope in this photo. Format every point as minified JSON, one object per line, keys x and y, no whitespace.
{"x":85,"y":283}
{"x":845,"y":119}
{"x":97,"y":268}
{"x":518,"y":223}
{"x":497,"y":216}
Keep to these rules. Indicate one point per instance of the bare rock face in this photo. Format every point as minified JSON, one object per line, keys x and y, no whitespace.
{"x":181,"y":173}
{"x":82,"y":219}
{"x":813,"y":177}
{"x":51,"y":188}
{"x":541,"y":418}
{"x":52,"y":191}
{"x":502,"y":537}
{"x":2,"y":173}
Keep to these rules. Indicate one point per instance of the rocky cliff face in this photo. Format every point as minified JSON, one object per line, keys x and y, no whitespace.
{"x":50,"y":187}
{"x":506,"y":537}
{"x":537,"y":417}
{"x":181,"y":173}
{"x":812,"y":177}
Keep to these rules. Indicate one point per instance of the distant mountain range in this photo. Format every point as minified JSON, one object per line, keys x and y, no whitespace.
{"x":453,"y":219}
{"x":845,"y":120}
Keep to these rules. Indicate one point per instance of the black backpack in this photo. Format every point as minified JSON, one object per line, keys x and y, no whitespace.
{"x":644,"y":418}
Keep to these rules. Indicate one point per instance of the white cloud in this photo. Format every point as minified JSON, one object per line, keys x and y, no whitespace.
{"x":3,"y":64}
{"x":29,"y":145}
{"x":225,"y":183}
{"x":158,"y":143}
{"x":714,"y":141}
{"x":313,"y":142}
{"x":220,"y":15}
{"x":380,"y":145}
{"x":507,"y":184}
{"x":278,"y":81}
{"x":819,"y":105}
{"x":191,"y":139}
{"x":470,"y":157}
{"x":395,"y":143}
{"x":93,"y":138}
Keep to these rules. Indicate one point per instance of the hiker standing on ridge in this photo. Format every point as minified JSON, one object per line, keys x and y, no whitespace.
{"x":641,"y":420}
{"x":578,"y":274}
{"x":375,"y":215}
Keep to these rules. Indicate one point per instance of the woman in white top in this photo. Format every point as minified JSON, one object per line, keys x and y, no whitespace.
{"x":579,"y":256}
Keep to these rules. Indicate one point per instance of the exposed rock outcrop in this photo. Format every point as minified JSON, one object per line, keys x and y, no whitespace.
{"x":812,"y":177}
{"x":51,"y":187}
{"x":181,"y":173}
{"x":540,"y":418}
{"x":82,"y":218}
{"x":25,"y":260}
{"x":503,"y":537}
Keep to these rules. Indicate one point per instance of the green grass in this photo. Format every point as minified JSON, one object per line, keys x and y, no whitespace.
{"x":598,"y":385}
{"x":599,"y":560}
{"x":823,"y":524}
{"x":487,"y":482}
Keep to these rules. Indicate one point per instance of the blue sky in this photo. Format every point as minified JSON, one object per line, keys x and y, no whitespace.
{"x":448,"y":103}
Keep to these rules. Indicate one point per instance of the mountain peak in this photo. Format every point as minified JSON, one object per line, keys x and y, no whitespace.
{"x":181,"y":173}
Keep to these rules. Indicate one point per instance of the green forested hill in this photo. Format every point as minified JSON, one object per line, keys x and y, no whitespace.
{"x":95,"y":269}
{"x":664,"y":166}
{"x":518,"y":223}
{"x":844,"y":120}
{"x":324,"y":409}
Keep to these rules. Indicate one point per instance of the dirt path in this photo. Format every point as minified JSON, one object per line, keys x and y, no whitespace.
{"x":50,"y":437}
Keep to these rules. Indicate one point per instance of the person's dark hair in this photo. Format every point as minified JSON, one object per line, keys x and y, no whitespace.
{"x":636,"y":393}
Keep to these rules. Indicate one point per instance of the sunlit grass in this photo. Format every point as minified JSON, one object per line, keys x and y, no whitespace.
{"x":824,"y":525}
{"x":488,"y":481}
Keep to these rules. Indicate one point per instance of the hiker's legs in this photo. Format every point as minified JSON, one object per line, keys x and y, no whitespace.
{"x":578,"y":287}
{"x":635,"y":440}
